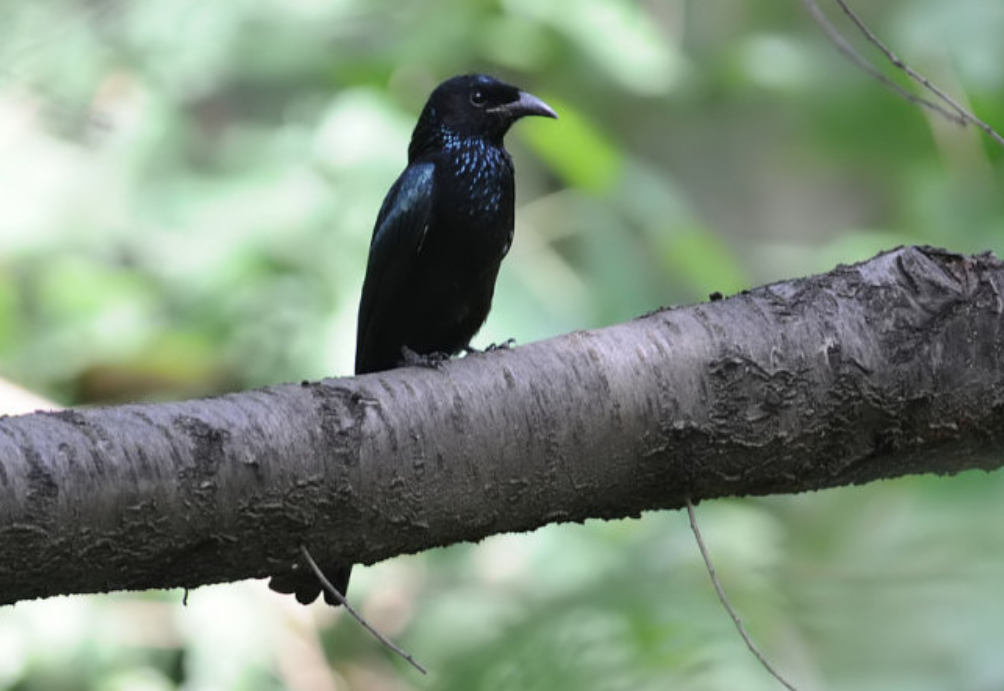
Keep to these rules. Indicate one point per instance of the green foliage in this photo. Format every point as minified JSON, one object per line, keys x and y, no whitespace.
{"x":187,"y":192}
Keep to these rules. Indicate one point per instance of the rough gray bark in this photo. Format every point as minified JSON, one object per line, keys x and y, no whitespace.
{"x":890,"y":367}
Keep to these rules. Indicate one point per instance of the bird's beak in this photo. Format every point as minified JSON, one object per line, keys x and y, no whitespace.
{"x":526,"y":104}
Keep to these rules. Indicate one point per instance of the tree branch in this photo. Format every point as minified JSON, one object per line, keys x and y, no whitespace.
{"x":890,"y":367}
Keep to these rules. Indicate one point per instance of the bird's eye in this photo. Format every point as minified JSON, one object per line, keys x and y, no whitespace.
{"x":478,"y":98}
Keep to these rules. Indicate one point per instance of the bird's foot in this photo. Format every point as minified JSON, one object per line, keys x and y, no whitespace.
{"x":431,"y":360}
{"x":507,"y":344}
{"x":504,"y":345}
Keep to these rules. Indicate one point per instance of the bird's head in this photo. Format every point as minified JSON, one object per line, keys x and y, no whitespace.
{"x":476,"y":105}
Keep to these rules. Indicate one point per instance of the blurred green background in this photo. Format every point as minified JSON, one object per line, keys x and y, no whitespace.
{"x":187,"y":191}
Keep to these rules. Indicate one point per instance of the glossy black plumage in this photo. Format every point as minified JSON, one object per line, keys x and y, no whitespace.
{"x":444,"y":227}
{"x":440,"y":237}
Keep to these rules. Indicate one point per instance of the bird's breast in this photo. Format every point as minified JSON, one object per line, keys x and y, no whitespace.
{"x":482,"y":177}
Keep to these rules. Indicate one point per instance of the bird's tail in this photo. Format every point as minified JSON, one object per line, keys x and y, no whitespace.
{"x":305,"y":586}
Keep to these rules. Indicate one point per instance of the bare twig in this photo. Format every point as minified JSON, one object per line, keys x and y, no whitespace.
{"x":963,"y":113}
{"x":948,"y":107}
{"x":728,"y":606}
{"x":848,"y":51}
{"x":355,"y":615}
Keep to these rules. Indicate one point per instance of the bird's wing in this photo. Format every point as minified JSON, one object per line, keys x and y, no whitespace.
{"x":397,"y":240}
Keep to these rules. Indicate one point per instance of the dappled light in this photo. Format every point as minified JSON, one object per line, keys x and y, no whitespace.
{"x":188,"y":192}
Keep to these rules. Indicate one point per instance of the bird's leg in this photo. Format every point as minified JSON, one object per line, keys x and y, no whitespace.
{"x":431,"y":360}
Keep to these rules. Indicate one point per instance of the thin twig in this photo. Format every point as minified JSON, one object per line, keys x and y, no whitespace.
{"x":728,"y":606}
{"x":848,"y":51}
{"x":963,"y":113}
{"x":355,"y":615}
{"x":954,"y":111}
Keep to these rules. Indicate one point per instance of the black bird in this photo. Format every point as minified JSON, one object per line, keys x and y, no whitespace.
{"x":440,"y":237}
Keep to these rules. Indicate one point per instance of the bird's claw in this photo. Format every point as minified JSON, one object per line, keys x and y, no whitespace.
{"x":431,"y":360}
{"x":507,"y":344}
